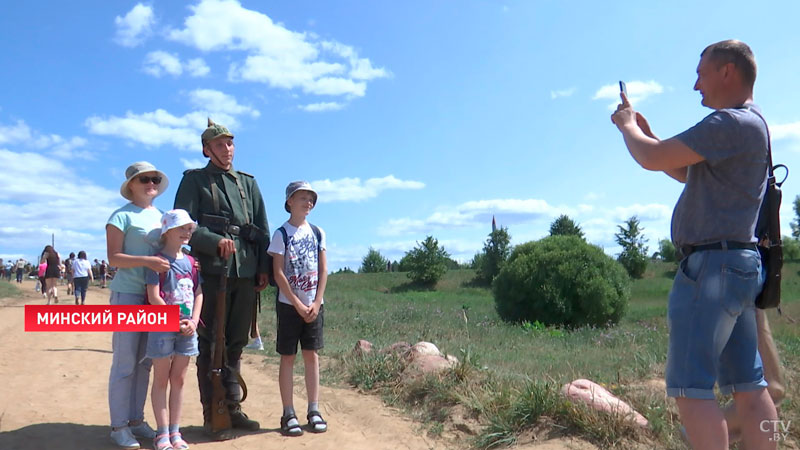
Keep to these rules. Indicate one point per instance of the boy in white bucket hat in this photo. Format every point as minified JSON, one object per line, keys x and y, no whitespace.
{"x":171,"y":350}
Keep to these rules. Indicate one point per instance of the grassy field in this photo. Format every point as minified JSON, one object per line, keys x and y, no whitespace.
{"x":9,"y":289}
{"x":510,"y":375}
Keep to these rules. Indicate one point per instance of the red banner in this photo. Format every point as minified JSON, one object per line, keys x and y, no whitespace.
{"x":102,"y":318}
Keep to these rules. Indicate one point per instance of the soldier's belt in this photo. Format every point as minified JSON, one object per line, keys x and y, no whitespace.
{"x":222,"y":225}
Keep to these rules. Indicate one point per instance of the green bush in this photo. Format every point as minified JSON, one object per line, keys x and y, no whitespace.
{"x":373,"y":262}
{"x":561,"y":280}
{"x":666,"y":249}
{"x":427,"y":262}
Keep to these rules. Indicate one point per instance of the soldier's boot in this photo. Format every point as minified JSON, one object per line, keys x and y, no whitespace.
{"x":240,"y":420}
{"x":219,"y":435}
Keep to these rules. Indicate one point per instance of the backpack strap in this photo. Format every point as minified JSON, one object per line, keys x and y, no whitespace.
{"x":195,"y":278}
{"x":285,"y":251}
{"x":318,"y":235}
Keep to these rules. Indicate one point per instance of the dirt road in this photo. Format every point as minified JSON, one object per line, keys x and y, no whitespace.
{"x":53,"y":395}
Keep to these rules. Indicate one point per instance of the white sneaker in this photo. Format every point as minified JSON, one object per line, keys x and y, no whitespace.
{"x":256,"y":344}
{"x":123,"y":437}
{"x":143,"y":430}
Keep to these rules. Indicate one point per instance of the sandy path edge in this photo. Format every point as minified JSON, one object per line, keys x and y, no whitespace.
{"x":53,"y":395}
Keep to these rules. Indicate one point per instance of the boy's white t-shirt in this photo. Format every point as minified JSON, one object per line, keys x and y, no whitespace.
{"x":301,"y":265}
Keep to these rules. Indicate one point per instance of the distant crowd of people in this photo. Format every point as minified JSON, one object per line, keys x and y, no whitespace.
{"x":51,"y":272}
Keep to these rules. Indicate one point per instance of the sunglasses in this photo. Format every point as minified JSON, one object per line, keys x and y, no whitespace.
{"x":145,"y":179}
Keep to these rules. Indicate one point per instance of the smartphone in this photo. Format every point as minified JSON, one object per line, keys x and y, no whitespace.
{"x":623,"y":89}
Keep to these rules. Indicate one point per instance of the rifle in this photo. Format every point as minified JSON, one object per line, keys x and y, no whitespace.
{"x":220,"y":416}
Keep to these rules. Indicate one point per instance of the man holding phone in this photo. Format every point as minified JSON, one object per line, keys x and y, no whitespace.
{"x":711,"y":314}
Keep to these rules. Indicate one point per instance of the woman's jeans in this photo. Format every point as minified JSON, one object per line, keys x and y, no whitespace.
{"x":130,"y":370}
{"x":81,"y":285}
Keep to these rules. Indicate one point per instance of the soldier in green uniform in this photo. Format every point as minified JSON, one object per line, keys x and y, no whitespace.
{"x":209,"y":194}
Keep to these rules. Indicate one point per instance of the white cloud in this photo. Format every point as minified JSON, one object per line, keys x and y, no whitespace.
{"x":474,"y":213}
{"x":152,"y":129}
{"x":221,"y":102}
{"x":638,"y":91}
{"x":785,"y":131}
{"x":134,"y":28}
{"x":562,"y":93}
{"x":321,"y":107}
{"x":20,"y":135}
{"x":354,"y":190}
{"x":197,"y":67}
{"x":652,"y":211}
{"x":158,"y":128}
{"x":275,"y":55}
{"x":43,"y":196}
{"x":159,"y":63}
{"x":194,"y":163}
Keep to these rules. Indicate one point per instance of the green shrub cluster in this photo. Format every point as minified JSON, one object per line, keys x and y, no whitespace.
{"x":561,"y":280}
{"x":373,"y":262}
{"x":427,"y":262}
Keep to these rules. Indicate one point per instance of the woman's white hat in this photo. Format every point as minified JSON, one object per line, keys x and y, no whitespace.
{"x":135,"y":170}
{"x":175,"y":218}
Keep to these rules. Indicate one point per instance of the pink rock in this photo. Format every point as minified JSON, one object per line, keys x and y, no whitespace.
{"x":362,"y":347}
{"x":422,"y":364}
{"x":599,"y":398}
{"x":424,"y":348}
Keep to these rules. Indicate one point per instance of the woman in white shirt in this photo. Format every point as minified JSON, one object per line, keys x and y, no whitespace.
{"x":82,"y":270}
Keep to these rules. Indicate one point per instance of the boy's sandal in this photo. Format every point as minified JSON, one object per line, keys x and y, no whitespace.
{"x":177,"y":441}
{"x":316,"y":424}
{"x":290,"y":430}
{"x":161,"y":442}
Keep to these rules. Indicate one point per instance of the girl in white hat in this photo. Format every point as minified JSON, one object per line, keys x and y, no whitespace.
{"x":171,"y":350}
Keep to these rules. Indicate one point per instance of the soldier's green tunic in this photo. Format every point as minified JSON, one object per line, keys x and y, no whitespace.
{"x":237,"y":202}
{"x":194,"y":195}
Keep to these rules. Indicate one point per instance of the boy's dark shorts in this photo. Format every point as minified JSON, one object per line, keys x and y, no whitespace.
{"x":292,"y":328}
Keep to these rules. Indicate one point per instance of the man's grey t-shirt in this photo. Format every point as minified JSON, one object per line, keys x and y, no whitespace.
{"x":723,"y":194}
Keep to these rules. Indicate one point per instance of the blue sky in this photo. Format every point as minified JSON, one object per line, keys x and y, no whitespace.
{"x":410,"y":118}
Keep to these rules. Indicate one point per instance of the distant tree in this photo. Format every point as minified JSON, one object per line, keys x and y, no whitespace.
{"x":791,"y":249}
{"x":395,"y":266}
{"x":634,"y":252}
{"x":452,"y":264}
{"x":796,"y":222}
{"x":345,"y":270}
{"x":495,"y":253}
{"x":477,"y":260}
{"x":564,"y":226}
{"x":666,"y":250}
{"x":373,"y":262}
{"x":403,"y":265}
{"x":427,"y":262}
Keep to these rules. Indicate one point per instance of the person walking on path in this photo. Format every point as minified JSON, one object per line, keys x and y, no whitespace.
{"x":69,"y":274}
{"x":82,"y":270}
{"x":232,"y":228}
{"x":711,"y":313}
{"x":129,"y":249}
{"x":41,"y":286}
{"x":20,"y":269}
{"x":53,"y":272}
